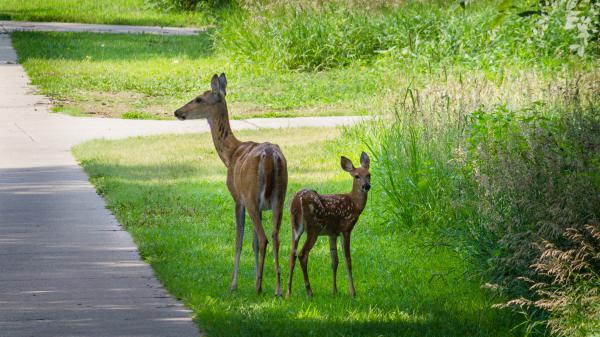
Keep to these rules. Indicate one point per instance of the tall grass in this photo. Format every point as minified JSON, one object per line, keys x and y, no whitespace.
{"x":301,"y":37}
{"x":513,"y":188}
{"x":538,"y":185}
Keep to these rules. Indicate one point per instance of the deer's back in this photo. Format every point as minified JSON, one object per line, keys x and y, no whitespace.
{"x":257,"y":174}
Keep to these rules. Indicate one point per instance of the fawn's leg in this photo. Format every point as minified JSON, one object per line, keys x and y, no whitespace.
{"x":297,"y":231}
{"x":311,"y":238}
{"x":346,"y":245}
{"x":277,"y":214}
{"x":256,"y":217}
{"x":334,"y":259}
{"x":240,"y":217}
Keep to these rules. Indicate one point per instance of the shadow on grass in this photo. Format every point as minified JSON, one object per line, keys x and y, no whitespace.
{"x":91,"y":46}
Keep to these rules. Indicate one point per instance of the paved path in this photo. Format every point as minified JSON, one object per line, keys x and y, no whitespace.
{"x":66,"y":266}
{"x":12,"y":26}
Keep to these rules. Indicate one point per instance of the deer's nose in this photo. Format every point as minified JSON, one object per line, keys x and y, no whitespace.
{"x":366,"y":186}
{"x":179,"y":115}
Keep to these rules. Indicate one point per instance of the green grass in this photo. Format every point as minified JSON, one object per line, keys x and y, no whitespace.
{"x":286,"y":61}
{"x":120,"y":12}
{"x":110,"y":74}
{"x":177,"y":207}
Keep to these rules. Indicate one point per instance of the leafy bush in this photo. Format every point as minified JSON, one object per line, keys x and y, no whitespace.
{"x":560,"y":25}
{"x":538,"y":173}
{"x":514,"y":190}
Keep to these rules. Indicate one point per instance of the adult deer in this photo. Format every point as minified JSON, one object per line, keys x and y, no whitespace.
{"x":329,"y":215}
{"x":256,"y":176}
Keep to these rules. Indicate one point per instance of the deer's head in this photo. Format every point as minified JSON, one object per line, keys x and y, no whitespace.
{"x":208,"y":104}
{"x":361,"y":175}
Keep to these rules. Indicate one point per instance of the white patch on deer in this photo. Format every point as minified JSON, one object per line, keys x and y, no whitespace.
{"x":298,"y":231}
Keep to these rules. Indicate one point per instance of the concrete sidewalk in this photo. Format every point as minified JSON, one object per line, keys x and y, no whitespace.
{"x":26,"y":26}
{"x":67,"y":268}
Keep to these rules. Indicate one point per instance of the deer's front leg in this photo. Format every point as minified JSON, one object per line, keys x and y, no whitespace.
{"x":334,"y":259}
{"x":346,"y":245}
{"x":240,"y":217}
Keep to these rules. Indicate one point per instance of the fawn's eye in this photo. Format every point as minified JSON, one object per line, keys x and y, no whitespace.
{"x":369,"y":176}
{"x":356,"y":177}
{"x":199,"y":100}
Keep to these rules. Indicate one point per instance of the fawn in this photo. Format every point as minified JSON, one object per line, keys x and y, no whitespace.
{"x":329,"y":215}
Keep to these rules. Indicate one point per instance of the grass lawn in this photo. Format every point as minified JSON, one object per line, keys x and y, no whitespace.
{"x":170,"y":194}
{"x":120,"y":12}
{"x":148,"y":76}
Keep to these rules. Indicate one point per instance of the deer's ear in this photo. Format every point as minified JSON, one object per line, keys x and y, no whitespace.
{"x":347,"y":164}
{"x":364,"y":160}
{"x":214,"y":84}
{"x":223,"y":84}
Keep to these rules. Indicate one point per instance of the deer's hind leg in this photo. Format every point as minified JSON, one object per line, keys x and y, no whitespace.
{"x":261,"y":242}
{"x":311,"y":238}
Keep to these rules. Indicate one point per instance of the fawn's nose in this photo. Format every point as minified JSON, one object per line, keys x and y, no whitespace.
{"x":366,"y":186}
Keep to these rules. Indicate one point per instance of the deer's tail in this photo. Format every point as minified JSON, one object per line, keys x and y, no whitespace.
{"x":274,"y":174}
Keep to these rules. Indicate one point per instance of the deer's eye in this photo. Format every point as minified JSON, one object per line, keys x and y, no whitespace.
{"x":199,"y":100}
{"x":356,"y":177}
{"x":369,"y":176}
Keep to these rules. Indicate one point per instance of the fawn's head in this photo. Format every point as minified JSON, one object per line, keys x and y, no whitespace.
{"x":361,"y":175}
{"x":208,"y":104}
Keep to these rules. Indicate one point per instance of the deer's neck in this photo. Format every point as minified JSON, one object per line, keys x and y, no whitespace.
{"x":359,"y":198}
{"x":223,"y":138}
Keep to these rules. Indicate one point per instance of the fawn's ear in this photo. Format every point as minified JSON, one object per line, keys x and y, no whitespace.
{"x":364,"y":160}
{"x":347,"y":164}
{"x":223,"y":84}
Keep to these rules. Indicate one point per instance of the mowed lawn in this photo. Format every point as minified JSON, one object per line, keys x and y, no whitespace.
{"x":120,"y":12}
{"x":149,"y":76}
{"x":170,"y":194}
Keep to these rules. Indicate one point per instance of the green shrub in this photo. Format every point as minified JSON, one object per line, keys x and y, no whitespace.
{"x":515,"y":191}
{"x":538,"y":177}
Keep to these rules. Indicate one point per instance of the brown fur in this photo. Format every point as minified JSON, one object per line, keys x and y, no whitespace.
{"x":256,"y":176}
{"x":332,"y":215}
